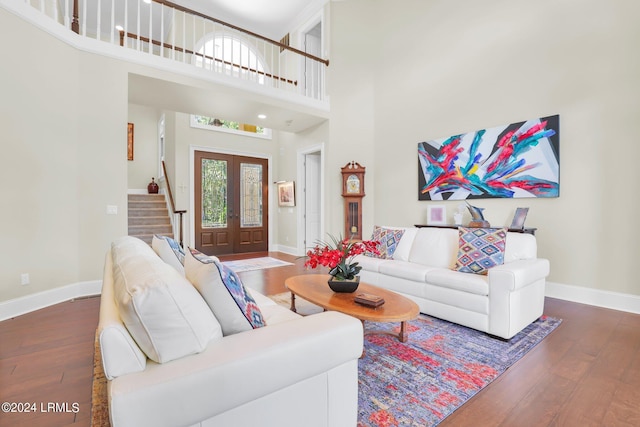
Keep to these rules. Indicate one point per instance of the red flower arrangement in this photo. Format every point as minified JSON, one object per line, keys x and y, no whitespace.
{"x":338,"y":256}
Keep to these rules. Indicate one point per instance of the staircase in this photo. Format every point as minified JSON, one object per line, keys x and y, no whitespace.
{"x":148,"y":215}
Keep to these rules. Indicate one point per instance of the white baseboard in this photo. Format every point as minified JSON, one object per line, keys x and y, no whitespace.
{"x":28,"y":303}
{"x":290,"y":250}
{"x":606,"y":299}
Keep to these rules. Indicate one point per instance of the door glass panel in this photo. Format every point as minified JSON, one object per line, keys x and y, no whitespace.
{"x":214,"y":193}
{"x":250,"y":195}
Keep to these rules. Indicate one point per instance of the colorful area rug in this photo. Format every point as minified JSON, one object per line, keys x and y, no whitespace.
{"x":255,"y":264}
{"x":421,"y":382}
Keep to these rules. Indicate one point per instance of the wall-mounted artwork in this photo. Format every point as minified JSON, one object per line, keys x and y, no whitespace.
{"x":129,"y":141}
{"x":286,"y":193}
{"x":512,"y":161}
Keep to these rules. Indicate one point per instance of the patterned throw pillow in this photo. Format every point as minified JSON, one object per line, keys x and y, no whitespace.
{"x":221,"y":288}
{"x":388,"y":238}
{"x":480,"y":249}
{"x":169,"y":250}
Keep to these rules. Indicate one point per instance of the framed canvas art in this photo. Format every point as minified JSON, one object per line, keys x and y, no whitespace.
{"x":511,"y":161}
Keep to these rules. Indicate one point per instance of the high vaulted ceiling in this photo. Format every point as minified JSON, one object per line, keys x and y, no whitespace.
{"x":270,"y":18}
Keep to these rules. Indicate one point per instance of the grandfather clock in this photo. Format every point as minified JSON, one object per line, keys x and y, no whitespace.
{"x":353,"y":192}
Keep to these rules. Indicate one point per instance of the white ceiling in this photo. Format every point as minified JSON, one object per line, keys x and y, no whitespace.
{"x":270,"y":18}
{"x":222,"y":102}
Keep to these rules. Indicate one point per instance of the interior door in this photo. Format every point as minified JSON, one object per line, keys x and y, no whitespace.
{"x":231,"y":203}
{"x":312,"y":199}
{"x":312,"y":69}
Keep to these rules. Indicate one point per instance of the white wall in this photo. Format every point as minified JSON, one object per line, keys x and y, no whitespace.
{"x":39,"y":162}
{"x":63,"y":161}
{"x":145,"y":157}
{"x":446,"y":67}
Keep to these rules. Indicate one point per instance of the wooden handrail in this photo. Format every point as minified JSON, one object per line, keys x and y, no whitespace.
{"x":173,"y":206}
{"x":75,"y":27}
{"x":242,"y":30}
{"x":190,"y":52}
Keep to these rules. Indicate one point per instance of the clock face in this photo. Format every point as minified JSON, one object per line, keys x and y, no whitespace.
{"x":353,"y":184}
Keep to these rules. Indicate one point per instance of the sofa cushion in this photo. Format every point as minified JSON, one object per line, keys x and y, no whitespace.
{"x":405,"y":270}
{"x":404,"y":246}
{"x":369,"y":263}
{"x":473,"y":283}
{"x":222,"y":289}
{"x":389,"y":239}
{"x":435,"y":247}
{"x":170,"y":251}
{"x":480,"y":249}
{"x":520,"y":246}
{"x":162,"y":311}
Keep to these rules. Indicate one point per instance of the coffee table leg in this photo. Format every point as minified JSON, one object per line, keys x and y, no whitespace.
{"x":293,"y":303}
{"x":404,"y":334}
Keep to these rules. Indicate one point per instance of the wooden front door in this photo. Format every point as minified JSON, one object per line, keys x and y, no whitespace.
{"x":231,"y":203}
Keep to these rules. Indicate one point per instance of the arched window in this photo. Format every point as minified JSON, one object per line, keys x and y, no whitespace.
{"x":231,"y":55}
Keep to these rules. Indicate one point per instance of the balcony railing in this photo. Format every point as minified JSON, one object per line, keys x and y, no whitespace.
{"x":167,"y":30}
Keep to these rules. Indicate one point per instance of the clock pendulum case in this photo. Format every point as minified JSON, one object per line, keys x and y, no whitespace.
{"x":353,"y":192}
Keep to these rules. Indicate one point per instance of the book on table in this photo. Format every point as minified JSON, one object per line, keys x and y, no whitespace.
{"x":369,"y":300}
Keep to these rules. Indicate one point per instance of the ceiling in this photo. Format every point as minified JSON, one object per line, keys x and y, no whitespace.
{"x":270,"y":18}
{"x":221,"y":102}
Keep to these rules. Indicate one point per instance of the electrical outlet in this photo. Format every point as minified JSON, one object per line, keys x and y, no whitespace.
{"x":112,"y":210}
{"x":24,"y":279}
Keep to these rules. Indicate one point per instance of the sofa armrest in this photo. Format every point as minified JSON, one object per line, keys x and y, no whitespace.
{"x":517,"y":274}
{"x":120,"y":353}
{"x":235,"y":370}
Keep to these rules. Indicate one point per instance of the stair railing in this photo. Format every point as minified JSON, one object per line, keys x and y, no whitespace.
{"x":167,"y":30}
{"x":173,"y":205}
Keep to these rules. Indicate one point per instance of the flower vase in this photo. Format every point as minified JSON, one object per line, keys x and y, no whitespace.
{"x":344,"y":286}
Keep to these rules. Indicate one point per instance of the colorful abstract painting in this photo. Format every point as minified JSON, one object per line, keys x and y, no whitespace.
{"x":513,"y":161}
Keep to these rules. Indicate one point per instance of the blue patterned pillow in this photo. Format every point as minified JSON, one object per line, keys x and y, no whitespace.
{"x":222,"y":289}
{"x":480,"y":249}
{"x":169,"y":250}
{"x":388,"y":238}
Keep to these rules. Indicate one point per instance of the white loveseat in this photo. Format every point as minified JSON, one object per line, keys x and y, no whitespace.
{"x":501,"y":303}
{"x":294,"y":371}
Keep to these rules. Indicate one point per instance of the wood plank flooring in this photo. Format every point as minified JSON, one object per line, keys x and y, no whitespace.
{"x":586,"y":373}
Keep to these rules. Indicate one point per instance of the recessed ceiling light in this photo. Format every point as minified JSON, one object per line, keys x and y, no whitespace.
{"x":262,"y":116}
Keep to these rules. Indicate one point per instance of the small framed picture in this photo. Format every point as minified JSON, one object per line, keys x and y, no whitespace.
{"x":286,"y":193}
{"x":129,"y":141}
{"x":518,"y":219}
{"x":436,"y":215}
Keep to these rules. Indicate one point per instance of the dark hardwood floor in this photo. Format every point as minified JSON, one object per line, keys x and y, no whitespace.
{"x":586,"y":373}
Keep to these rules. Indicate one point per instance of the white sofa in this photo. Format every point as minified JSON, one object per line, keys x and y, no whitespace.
{"x":296,"y":370}
{"x":501,"y":303}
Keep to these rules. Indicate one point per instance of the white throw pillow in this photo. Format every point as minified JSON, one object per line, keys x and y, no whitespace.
{"x":162,"y":311}
{"x":233,"y":306}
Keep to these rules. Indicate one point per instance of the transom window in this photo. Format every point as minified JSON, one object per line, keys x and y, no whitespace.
{"x":221,"y":125}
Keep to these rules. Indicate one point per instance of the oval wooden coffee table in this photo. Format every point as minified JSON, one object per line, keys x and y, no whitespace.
{"x":314,"y":288}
